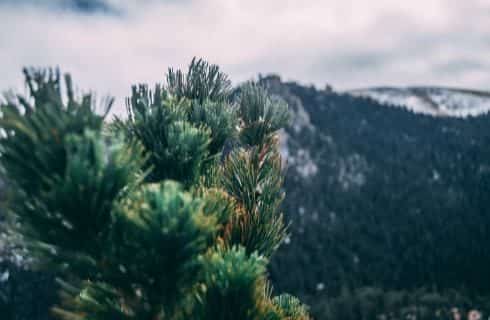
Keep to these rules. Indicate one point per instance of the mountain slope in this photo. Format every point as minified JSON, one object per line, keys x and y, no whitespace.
{"x":436,"y":101}
{"x":381,"y":196}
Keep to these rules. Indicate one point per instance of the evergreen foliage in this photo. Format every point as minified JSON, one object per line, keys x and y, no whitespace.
{"x":291,"y":306}
{"x":260,"y":113}
{"x":150,"y":217}
{"x":234,"y":280}
{"x":253,"y":178}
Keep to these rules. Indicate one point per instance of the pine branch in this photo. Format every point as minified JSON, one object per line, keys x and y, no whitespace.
{"x":261,"y":115}
{"x":142,"y":218}
{"x":234,"y":286}
{"x":201,"y":82}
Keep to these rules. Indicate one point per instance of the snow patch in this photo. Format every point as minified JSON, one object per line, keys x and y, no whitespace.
{"x":4,"y":276}
{"x":299,"y":159}
{"x":304,"y":164}
{"x":351,"y":172}
{"x":434,"y":101}
{"x":284,"y":147}
{"x":300,"y":118}
{"x":436,"y":176}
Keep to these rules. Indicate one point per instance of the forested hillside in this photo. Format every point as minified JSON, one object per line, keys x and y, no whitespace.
{"x":382,"y":197}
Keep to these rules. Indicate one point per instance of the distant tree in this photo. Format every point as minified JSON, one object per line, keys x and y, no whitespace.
{"x":147,"y":217}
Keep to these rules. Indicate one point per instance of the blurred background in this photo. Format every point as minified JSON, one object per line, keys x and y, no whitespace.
{"x":387,"y":156}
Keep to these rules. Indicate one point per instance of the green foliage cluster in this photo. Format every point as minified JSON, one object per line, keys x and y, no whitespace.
{"x":150,"y":216}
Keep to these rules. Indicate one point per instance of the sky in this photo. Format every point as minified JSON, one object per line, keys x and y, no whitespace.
{"x":108,"y":45}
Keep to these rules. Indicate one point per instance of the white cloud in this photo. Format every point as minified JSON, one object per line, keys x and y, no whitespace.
{"x":346,"y":43}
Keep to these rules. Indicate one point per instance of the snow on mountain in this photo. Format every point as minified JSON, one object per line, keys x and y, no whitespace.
{"x":436,"y":101}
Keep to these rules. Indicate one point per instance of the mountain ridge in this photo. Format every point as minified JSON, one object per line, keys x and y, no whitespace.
{"x":381,"y":196}
{"x":432,"y":100}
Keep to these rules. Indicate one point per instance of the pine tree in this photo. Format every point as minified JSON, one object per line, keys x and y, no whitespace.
{"x":169,"y":213}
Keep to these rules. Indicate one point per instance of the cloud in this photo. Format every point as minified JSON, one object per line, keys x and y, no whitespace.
{"x":349,"y":43}
{"x":81,"y":6}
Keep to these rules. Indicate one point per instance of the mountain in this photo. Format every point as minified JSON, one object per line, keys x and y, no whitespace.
{"x":436,"y":101}
{"x":389,"y":211}
{"x":382,"y":197}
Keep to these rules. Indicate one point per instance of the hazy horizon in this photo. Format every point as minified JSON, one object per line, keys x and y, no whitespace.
{"x":108,"y":45}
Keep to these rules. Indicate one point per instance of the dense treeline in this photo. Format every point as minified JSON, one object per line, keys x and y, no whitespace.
{"x":397,"y":200}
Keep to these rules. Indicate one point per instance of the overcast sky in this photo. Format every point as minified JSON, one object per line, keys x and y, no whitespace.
{"x":108,"y":45}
